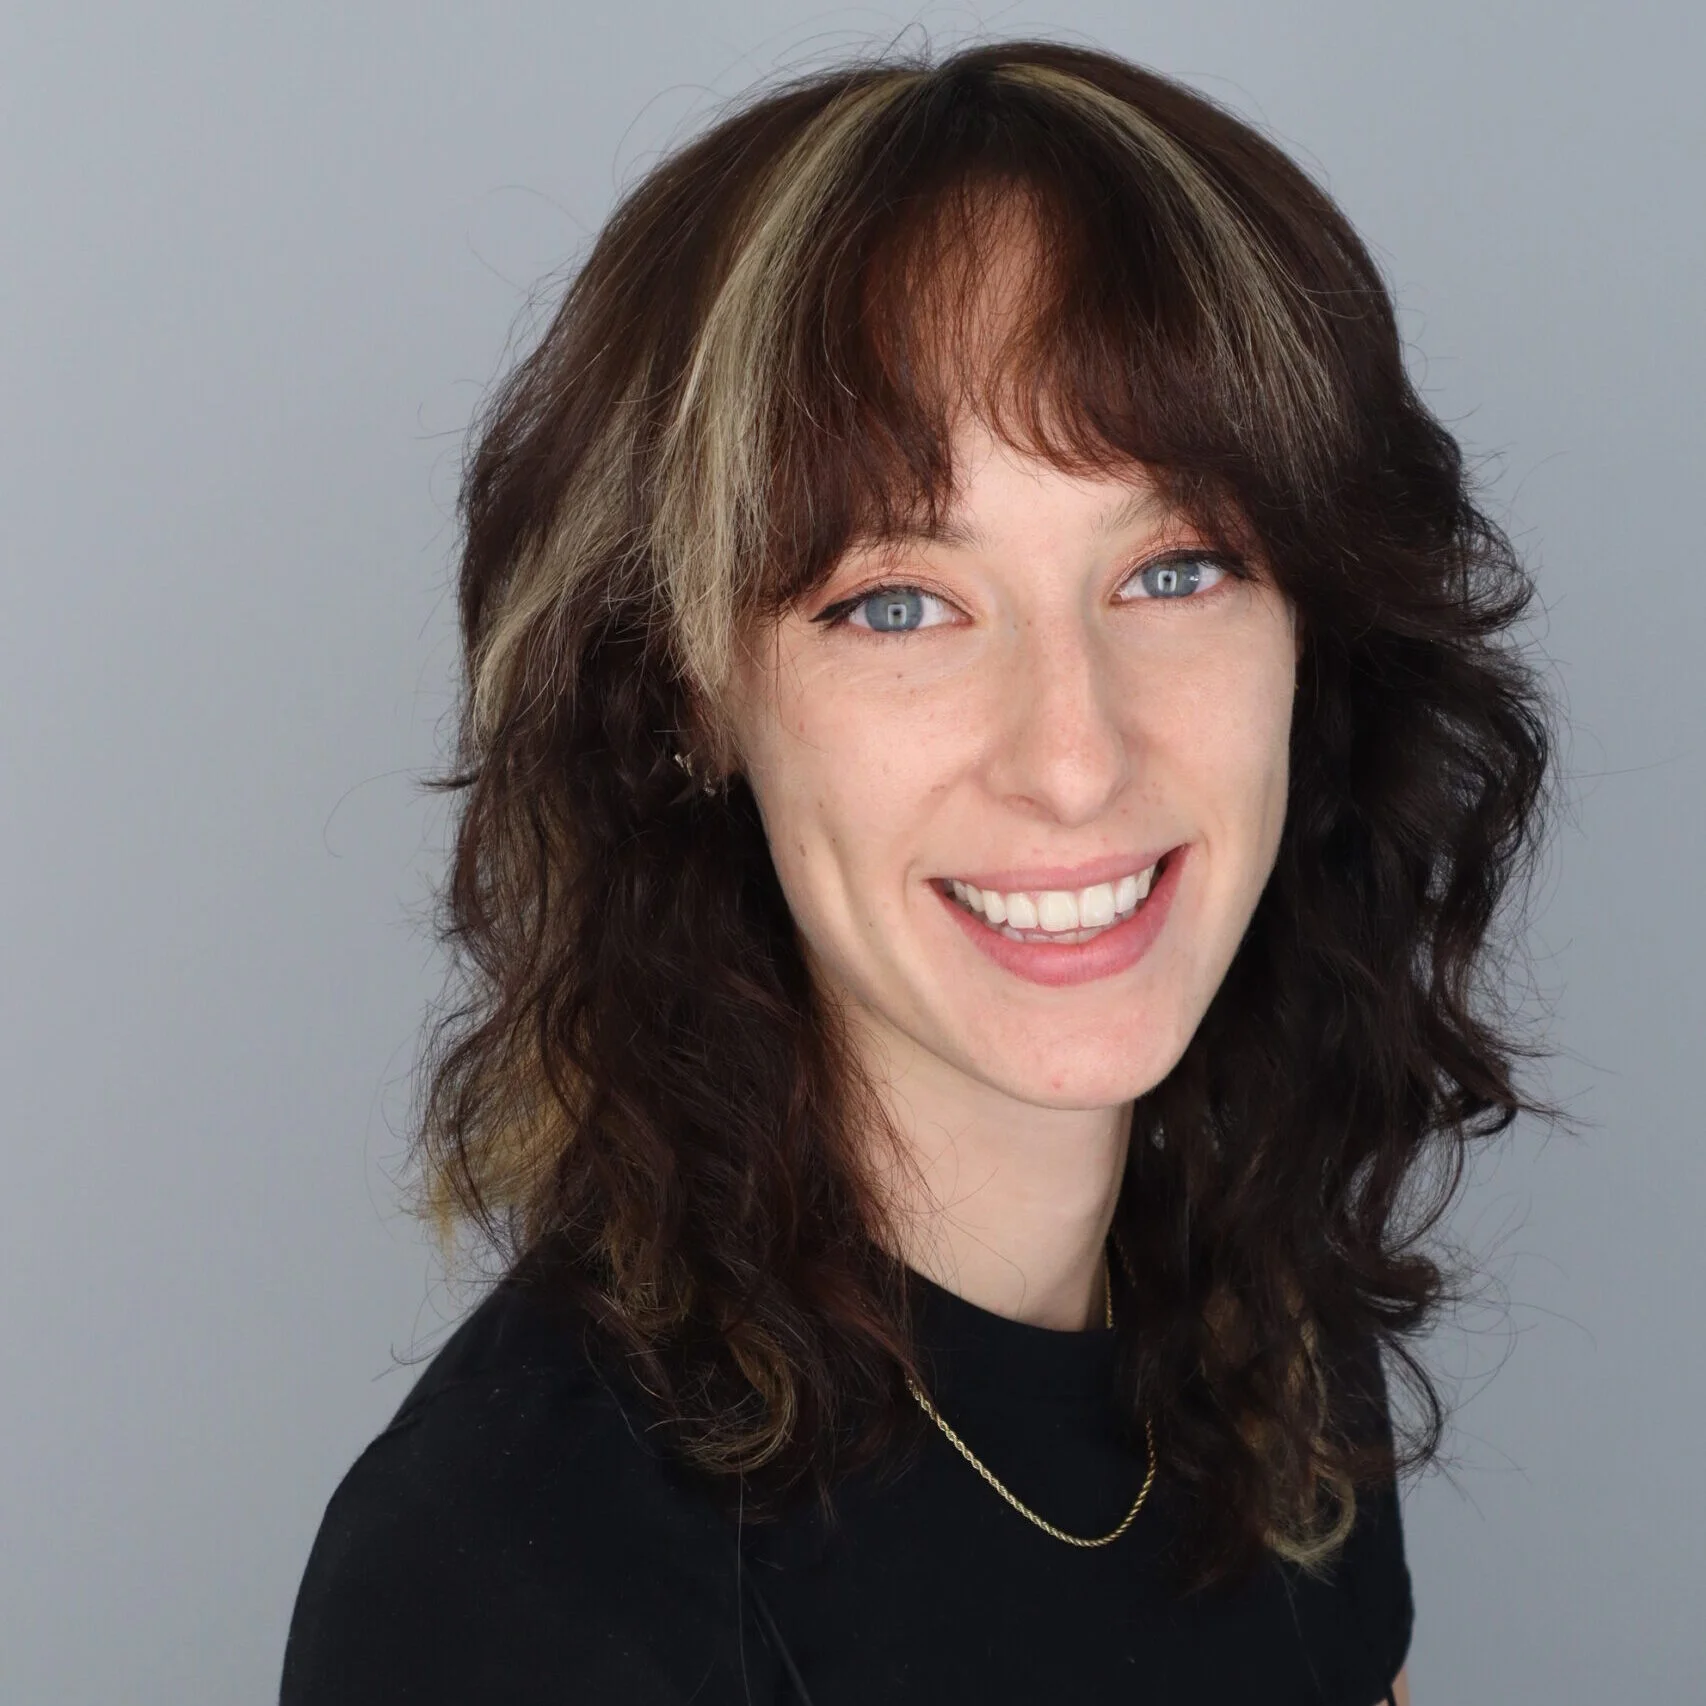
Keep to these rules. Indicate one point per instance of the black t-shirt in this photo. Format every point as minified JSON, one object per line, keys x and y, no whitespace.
{"x":514,"y":1537}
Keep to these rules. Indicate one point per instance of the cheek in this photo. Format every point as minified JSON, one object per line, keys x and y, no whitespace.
{"x":1261,"y":767}
{"x":868,"y":756}
{"x":1270,"y":752}
{"x":1228,"y":738}
{"x":839,"y":786}
{"x":1265,"y":714}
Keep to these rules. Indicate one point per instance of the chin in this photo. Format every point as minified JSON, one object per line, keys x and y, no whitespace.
{"x":1102,"y":1077}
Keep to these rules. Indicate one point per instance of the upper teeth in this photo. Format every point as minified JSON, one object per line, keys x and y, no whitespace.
{"x":1058,"y":910}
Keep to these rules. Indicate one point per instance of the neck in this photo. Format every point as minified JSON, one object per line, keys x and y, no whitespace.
{"x":1006,"y":1204}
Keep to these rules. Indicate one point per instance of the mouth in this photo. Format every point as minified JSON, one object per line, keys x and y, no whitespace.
{"x":1063,"y":917}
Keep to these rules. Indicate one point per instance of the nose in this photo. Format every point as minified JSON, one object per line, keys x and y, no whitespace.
{"x":1061,"y":746}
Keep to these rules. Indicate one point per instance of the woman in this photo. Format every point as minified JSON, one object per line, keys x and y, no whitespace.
{"x":990,"y":761}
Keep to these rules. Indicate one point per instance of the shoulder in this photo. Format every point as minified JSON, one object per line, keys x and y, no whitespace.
{"x":1374,"y":1568}
{"x":514,"y":1536}
{"x":1376,"y":1575}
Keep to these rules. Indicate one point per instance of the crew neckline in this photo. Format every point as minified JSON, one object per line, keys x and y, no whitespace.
{"x":970,"y":1346}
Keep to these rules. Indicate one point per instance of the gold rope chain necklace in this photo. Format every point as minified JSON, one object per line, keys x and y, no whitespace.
{"x":1023,"y":1509}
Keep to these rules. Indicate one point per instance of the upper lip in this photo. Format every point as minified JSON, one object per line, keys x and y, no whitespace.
{"x":1023,"y":878}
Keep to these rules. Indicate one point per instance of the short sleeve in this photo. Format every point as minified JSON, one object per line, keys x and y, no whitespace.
{"x":514,"y":1547}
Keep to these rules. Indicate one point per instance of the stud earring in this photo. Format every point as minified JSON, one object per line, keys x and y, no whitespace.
{"x":686,"y":764}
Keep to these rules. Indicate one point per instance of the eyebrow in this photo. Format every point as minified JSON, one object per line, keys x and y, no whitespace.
{"x":954,"y":530}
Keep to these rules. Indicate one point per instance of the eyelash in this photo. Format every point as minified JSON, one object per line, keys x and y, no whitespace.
{"x":835,"y":615}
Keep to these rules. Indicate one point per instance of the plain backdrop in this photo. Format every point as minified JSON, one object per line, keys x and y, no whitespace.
{"x":259,"y":266}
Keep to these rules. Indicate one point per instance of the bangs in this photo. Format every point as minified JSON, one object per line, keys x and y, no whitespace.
{"x":1011,"y":244}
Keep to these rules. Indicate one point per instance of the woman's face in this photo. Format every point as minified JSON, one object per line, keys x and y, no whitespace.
{"x":1037,"y":707}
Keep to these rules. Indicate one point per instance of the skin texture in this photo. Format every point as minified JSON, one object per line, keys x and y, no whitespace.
{"x":1049,"y":709}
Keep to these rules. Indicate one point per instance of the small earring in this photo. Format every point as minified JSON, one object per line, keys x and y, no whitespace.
{"x":686,"y":764}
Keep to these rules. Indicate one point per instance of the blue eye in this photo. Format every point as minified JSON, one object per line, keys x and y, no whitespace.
{"x":1178,"y":577}
{"x":886,"y":610}
{"x":896,"y":610}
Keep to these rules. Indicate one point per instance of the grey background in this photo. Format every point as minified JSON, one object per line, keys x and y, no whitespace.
{"x":259,"y":265}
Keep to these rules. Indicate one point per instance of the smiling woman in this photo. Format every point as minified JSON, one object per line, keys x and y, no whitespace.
{"x":960,"y":1153}
{"x":1101,"y":704}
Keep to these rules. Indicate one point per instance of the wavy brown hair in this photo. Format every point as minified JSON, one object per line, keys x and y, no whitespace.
{"x":761,"y":360}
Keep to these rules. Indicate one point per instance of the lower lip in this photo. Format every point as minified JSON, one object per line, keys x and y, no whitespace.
{"x":1117,"y":949}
